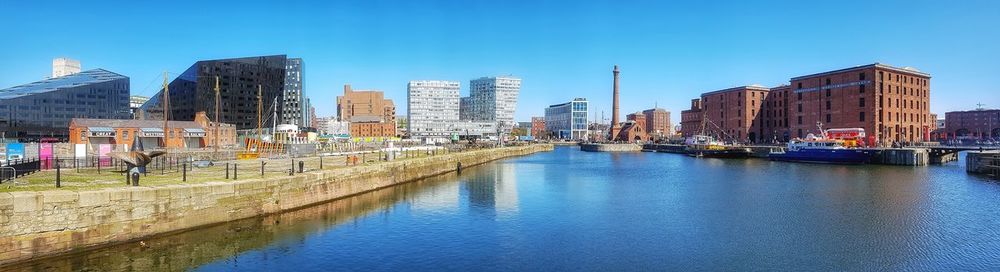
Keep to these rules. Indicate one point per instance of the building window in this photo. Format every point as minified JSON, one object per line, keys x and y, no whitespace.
{"x":800,"y":122}
{"x":861,"y":76}
{"x":800,"y":94}
{"x":800,"y":107}
{"x":861,"y":102}
{"x":828,"y":118}
{"x":861,"y":117}
{"x":861,"y":89}
{"x":827,"y":92}
{"x":828,"y":104}
{"x":828,"y":81}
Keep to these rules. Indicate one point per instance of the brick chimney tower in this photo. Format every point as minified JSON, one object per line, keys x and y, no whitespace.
{"x":615,"y":125}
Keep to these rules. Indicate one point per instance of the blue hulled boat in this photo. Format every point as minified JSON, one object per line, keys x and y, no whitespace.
{"x":821,"y":150}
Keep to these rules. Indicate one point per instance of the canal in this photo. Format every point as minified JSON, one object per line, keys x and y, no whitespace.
{"x":573,"y":210}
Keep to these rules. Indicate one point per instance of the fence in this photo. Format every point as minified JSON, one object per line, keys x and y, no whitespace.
{"x":17,"y":168}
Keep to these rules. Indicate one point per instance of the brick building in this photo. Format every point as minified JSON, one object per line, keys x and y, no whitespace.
{"x":973,"y":124}
{"x":199,"y":133}
{"x":890,"y":103}
{"x":370,"y":114}
{"x":691,"y":119}
{"x":733,"y":113}
{"x":538,"y":127}
{"x":658,"y":122}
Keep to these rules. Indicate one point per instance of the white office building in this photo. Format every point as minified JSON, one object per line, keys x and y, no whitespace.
{"x":64,"y":67}
{"x":432,"y":108}
{"x":492,"y":99}
{"x":568,"y":120}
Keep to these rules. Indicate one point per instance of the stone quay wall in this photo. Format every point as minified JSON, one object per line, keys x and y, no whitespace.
{"x":46,"y":223}
{"x":611,"y":147}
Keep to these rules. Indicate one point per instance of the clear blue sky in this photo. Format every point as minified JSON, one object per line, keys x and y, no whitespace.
{"x":668,"y":52}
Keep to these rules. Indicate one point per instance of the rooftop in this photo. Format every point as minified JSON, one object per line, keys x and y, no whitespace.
{"x":52,"y":84}
{"x":909,"y":70}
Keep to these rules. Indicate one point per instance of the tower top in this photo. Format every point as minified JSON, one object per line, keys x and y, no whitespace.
{"x":616,"y":68}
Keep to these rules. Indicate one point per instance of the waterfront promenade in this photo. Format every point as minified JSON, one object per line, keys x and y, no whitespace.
{"x":38,"y":223}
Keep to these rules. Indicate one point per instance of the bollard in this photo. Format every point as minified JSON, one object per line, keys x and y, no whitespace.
{"x":185,"y":171}
{"x":98,"y":165}
{"x":262,"y":168}
{"x":135,"y":179}
{"x":292,"y":171}
{"x":236,"y":168}
{"x":321,"y":162}
{"x":301,"y":165}
{"x":227,"y":170}
{"x":58,"y":175}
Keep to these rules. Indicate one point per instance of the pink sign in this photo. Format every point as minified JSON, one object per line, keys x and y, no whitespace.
{"x":102,"y":154}
{"x":45,"y":155}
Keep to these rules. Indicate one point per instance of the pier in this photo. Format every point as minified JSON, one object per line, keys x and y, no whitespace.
{"x":908,"y":156}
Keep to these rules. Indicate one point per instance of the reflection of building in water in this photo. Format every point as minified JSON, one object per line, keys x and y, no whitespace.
{"x":438,"y":198}
{"x":493,"y":187}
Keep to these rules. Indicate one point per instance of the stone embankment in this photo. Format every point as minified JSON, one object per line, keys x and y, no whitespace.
{"x":46,"y":223}
{"x":601,"y":147}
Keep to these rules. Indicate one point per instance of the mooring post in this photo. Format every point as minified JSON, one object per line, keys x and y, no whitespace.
{"x":58,"y":175}
{"x":261,"y":168}
{"x":301,"y":166}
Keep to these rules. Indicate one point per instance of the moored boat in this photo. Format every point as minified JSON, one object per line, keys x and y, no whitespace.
{"x":707,"y":147}
{"x":822,"y":149}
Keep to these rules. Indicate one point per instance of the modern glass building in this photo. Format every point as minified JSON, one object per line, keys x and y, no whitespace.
{"x":44,"y":108}
{"x":239,"y":79}
{"x":568,"y":120}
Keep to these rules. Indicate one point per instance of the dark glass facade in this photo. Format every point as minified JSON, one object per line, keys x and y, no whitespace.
{"x":239,"y":78}
{"x":44,"y":108}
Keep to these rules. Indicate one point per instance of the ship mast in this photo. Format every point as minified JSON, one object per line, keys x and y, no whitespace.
{"x":218,"y":122}
{"x":260,"y":109}
{"x":166,"y":109}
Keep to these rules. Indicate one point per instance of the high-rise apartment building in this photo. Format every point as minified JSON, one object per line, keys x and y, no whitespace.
{"x":432,"y":108}
{"x":240,"y":79}
{"x":296,"y":106}
{"x":568,"y":120}
{"x":64,"y":67}
{"x":492,"y":99}
{"x":370,"y":114}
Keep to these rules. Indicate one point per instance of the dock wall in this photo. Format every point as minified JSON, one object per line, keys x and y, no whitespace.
{"x":46,"y":223}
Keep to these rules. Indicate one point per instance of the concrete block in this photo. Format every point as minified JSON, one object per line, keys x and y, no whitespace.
{"x":59,"y":196}
{"x":143,"y":194}
{"x":94,"y":198}
{"x":26,"y":201}
{"x":6,"y":199}
{"x":223,"y":188}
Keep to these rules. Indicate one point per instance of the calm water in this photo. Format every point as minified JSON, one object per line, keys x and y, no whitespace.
{"x":572,"y":210}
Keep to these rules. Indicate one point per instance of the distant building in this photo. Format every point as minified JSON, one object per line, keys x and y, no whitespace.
{"x":44,"y":108}
{"x":538,"y":127}
{"x":432,"y":108}
{"x":199,"y":133}
{"x":733,"y":113}
{"x":240,"y":79}
{"x":296,"y":107}
{"x":973,"y":124}
{"x":492,"y":99}
{"x":370,"y":114}
{"x":691,"y":119}
{"x":63,"y":67}
{"x":134,"y":103}
{"x":658,"y":123}
{"x":568,"y":120}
